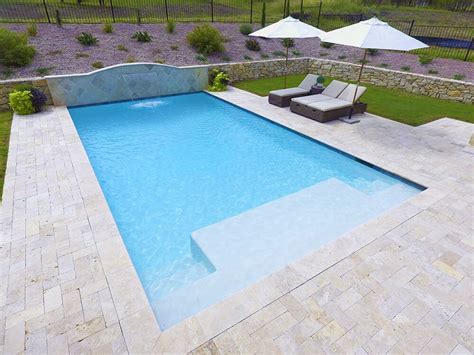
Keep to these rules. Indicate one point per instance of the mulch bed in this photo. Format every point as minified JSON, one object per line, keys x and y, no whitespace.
{"x":61,"y":53}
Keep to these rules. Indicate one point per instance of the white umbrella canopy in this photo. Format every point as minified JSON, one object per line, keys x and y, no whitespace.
{"x":289,"y":27}
{"x":373,"y":34}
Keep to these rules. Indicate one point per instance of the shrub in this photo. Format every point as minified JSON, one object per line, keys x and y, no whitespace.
{"x":431,"y":71}
{"x":212,"y":75}
{"x":170,"y":26}
{"x":38,"y":98}
{"x":20,"y":102}
{"x":174,"y":47}
{"x":87,"y":39}
{"x":406,"y":68}
{"x":108,"y":28}
{"x":23,"y":87}
{"x":206,"y":39}
{"x":296,"y":53}
{"x":278,"y":54}
{"x":372,"y":51}
{"x":31,"y":30}
{"x":363,"y":61}
{"x":122,"y":48}
{"x":287,"y":42}
{"x":160,"y":61}
{"x":7,"y":73}
{"x":341,"y":57}
{"x":459,"y":76}
{"x":82,"y":55}
{"x":323,"y":54}
{"x":15,"y":49}
{"x":44,"y":71}
{"x":201,"y":58}
{"x":264,"y":56}
{"x":253,"y":45}
{"x":226,"y":58}
{"x":246,"y":29}
{"x":247,"y":57}
{"x":425,"y":59}
{"x":55,"y":52}
{"x":326,"y":44}
{"x":384,"y":65}
{"x":131,"y":59}
{"x":142,"y":36}
{"x":220,"y":82}
{"x":97,"y":65}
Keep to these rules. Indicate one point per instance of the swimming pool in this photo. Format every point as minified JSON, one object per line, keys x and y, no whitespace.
{"x":210,"y":198}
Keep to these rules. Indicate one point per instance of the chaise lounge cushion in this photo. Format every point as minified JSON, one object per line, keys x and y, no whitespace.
{"x":308,"y":82}
{"x":335,"y":88}
{"x":348,"y":93}
{"x":329,"y":105}
{"x":303,"y":88}
{"x":306,"y":100}
{"x":289,"y":92}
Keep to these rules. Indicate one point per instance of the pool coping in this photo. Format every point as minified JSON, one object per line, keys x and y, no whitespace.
{"x":139,"y":325}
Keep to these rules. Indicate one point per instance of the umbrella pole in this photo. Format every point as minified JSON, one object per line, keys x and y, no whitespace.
{"x":286,"y":65}
{"x":358,"y":83}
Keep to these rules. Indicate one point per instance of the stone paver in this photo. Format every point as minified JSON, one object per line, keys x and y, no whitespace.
{"x":400,"y":283}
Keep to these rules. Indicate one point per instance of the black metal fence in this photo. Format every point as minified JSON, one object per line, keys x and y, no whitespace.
{"x":445,"y":41}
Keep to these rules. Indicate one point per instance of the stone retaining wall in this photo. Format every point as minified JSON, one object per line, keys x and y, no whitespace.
{"x":446,"y":89}
{"x":416,"y":83}
{"x":7,"y":86}
{"x":262,"y":69}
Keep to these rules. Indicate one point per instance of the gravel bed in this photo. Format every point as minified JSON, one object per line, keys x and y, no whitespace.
{"x":58,"y":50}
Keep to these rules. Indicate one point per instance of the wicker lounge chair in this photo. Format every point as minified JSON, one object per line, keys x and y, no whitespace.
{"x":283,"y":97}
{"x":328,"y":110}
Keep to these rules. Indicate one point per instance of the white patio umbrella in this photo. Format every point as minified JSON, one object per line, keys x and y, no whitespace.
{"x":288,"y":28}
{"x":374,"y":34}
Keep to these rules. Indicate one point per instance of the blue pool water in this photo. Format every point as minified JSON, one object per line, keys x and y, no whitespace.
{"x":173,"y":165}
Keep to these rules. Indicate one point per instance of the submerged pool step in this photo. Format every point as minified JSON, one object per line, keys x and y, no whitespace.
{"x":253,"y":244}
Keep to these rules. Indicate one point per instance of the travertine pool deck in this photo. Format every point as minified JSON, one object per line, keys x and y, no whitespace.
{"x":402,"y":283}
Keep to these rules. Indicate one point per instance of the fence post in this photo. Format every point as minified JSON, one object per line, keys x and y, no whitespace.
{"x":212,"y":10}
{"x":319,"y":13}
{"x":251,"y":11}
{"x":469,"y":49}
{"x":166,"y":10}
{"x":46,"y":10}
{"x":58,"y":18}
{"x":112,"y":10}
{"x":411,"y":27}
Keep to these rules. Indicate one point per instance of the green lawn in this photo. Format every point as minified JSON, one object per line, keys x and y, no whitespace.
{"x":394,"y":104}
{"x":5,"y":123}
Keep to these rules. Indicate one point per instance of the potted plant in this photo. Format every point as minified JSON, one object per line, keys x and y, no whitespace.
{"x":320,"y":81}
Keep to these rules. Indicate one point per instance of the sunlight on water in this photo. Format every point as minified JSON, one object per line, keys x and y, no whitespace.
{"x":149,"y":104}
